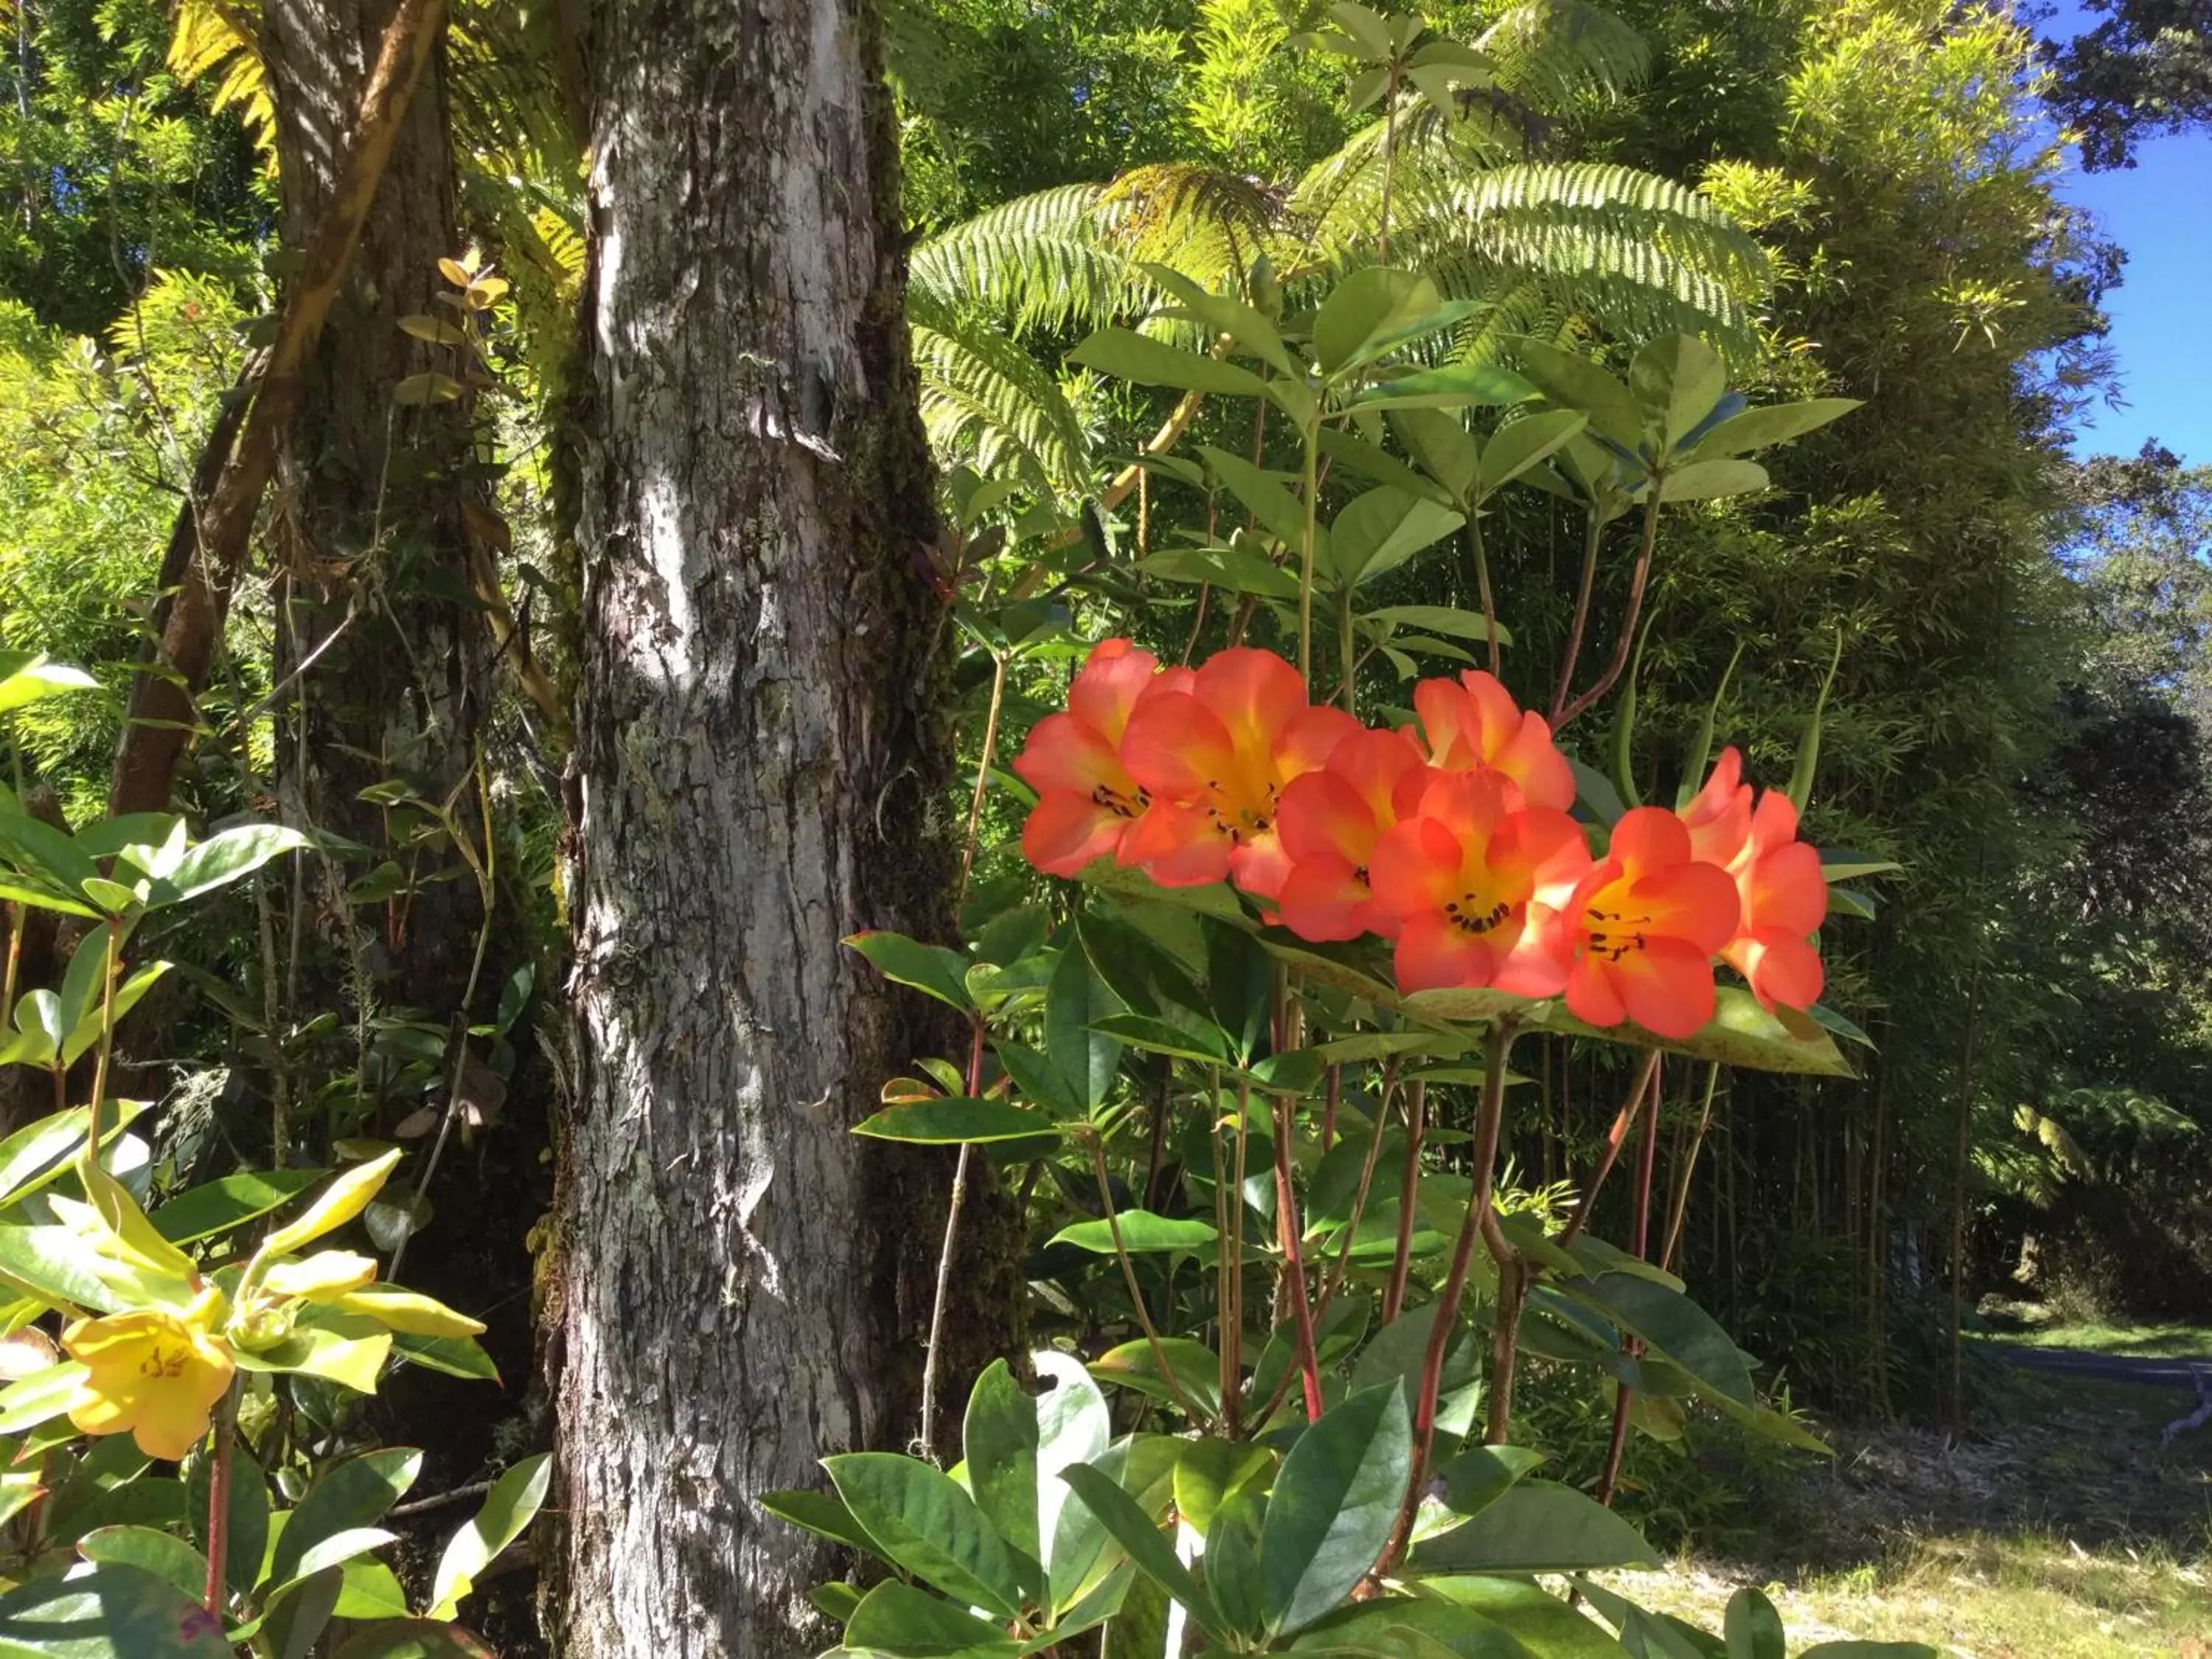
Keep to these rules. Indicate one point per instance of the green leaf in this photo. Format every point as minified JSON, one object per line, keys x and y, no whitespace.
{"x":85,"y":1035}
{"x":25,"y":678}
{"x":821,"y":1513}
{"x":1369,"y":303}
{"x":1275,"y":509}
{"x":114,"y":1609}
{"x":348,"y":1350}
{"x":1358,"y":455}
{"x":1538,"y":1526}
{"x":370,"y":1590}
{"x":1673,"y":1324}
{"x":1756,"y":428}
{"x":1333,"y":1505}
{"x":1743,"y":1034}
{"x":1379,"y":530}
{"x":1141,"y":1231}
{"x":223,"y":1205}
{"x":1131,"y":356}
{"x":1135,"y":1365}
{"x":1707,"y":481}
{"x":1441,"y":444}
{"x":1519,"y":445}
{"x":1154,"y":1557}
{"x":167,"y":1558}
{"x":1546,"y":1627}
{"x":901,"y":1620}
{"x":57,"y":1265}
{"x":346,"y":1497}
{"x":1225,"y":315}
{"x":1835,"y":866}
{"x":955,"y":1121}
{"x":39,"y":1151}
{"x":1085,"y":1057}
{"x":222,"y":859}
{"x":1676,"y":380}
{"x":1460,"y":385}
{"x":1157,"y":1037}
{"x":1232,"y":568}
{"x":1571,"y":382}
{"x":1209,"y":1470}
{"x":1480,"y":1475}
{"x":411,"y":1638}
{"x":1000,"y":1439}
{"x":930,"y":969}
{"x":1073,"y":1427}
{"x":1753,"y":1628}
{"x":514,"y":1501}
{"x":922,"y":1521}
{"x":451,"y":1356}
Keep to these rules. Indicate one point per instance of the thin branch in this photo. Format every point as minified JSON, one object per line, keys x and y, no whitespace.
{"x":1625,"y":1122}
{"x":161,"y":714}
{"x":1625,"y":641}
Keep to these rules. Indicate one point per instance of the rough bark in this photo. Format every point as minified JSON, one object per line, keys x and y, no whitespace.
{"x":369,"y":529}
{"x":741,"y":1281}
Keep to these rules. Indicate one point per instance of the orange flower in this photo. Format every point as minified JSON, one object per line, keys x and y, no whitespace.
{"x":1213,"y":756}
{"x":1474,"y":723}
{"x":1644,"y":924}
{"x":1085,"y":800}
{"x":1474,"y":879}
{"x":1782,"y":895}
{"x":1330,"y":822}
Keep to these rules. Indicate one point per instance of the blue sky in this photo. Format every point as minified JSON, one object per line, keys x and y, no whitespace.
{"x":2160,"y":211}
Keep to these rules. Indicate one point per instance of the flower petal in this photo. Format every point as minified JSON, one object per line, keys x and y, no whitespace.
{"x":1176,"y":846}
{"x":1433,"y":955}
{"x":1112,"y":679}
{"x":1324,"y":813}
{"x":1066,"y":753}
{"x":1693,"y":902}
{"x":1323,"y":898}
{"x":1667,"y":987}
{"x":1177,"y":747}
{"x":1067,"y":832}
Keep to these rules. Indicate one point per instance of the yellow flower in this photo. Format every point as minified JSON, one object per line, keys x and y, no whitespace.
{"x":153,"y":1373}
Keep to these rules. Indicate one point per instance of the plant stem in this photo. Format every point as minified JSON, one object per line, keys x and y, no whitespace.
{"x":1311,"y":477}
{"x":1678,"y":1203}
{"x":1593,"y":530}
{"x":1645,"y":1075}
{"x":932,"y":1357}
{"x":1389,"y":163}
{"x":1129,"y":1278}
{"x":111,"y":949}
{"x":1623,"y":1399}
{"x":1482,"y":585}
{"x":1626,"y":642}
{"x":1348,"y":645}
{"x":1394,"y":1297}
{"x":1513,"y":1276}
{"x":1488,"y":1123}
{"x":1233,"y":1337}
{"x":1331,"y":1099}
{"x":982,"y":780}
{"x":218,"y":1520}
{"x":1287,"y":1230}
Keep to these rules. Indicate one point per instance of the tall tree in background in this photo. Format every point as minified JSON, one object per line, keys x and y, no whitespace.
{"x":370,"y":548}
{"x":751,"y":780}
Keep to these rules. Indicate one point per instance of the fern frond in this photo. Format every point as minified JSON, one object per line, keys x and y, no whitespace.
{"x":222,"y":39}
{"x":1207,"y":223}
{"x":986,"y":400}
{"x":1039,"y":261}
{"x":1554,"y":53}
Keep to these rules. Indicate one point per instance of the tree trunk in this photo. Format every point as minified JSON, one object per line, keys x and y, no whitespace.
{"x":741,"y":1281}
{"x":369,"y":534}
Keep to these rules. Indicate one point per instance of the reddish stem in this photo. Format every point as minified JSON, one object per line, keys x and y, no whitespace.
{"x":1645,"y":1083}
{"x":1622,"y":645}
{"x":1286,"y":1227}
{"x":218,"y":1530}
{"x":1639,"y":1243}
{"x":1408,"y":1188}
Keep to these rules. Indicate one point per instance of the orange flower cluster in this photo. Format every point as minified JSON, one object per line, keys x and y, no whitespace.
{"x":1451,"y":838}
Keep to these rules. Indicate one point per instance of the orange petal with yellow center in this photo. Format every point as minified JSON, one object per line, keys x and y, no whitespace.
{"x":1112,"y":679}
{"x":1176,"y":846}
{"x":1433,"y":955}
{"x":1178,"y":748}
{"x":1323,"y":898}
{"x":1667,"y":987}
{"x":1067,"y":832}
{"x":1064,"y":752}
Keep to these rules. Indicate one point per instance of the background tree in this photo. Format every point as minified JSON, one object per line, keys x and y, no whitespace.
{"x":757,"y":775}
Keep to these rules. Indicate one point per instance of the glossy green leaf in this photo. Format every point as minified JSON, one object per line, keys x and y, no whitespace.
{"x":1225,"y":315}
{"x":930,"y":969}
{"x":1131,"y":356}
{"x":27,"y":677}
{"x":1460,"y":385}
{"x":1441,"y":443}
{"x":1333,"y":1506}
{"x":1669,"y":1322}
{"x":1709,"y":481}
{"x":1741,"y":1033}
{"x":1379,"y":530}
{"x":1073,"y":1427}
{"x":920,"y":1519}
{"x":346,"y":1497}
{"x":1676,"y":380}
{"x":114,"y":1609}
{"x":1275,"y":507}
{"x":411,"y":1638}
{"x":223,"y":1205}
{"x":1752,"y":1627}
{"x":1521,"y":444}
{"x":1572,"y":382}
{"x":247,"y":1545}
{"x":1135,"y":1364}
{"x":1147,"y":1547}
{"x":513,"y":1502}
{"x":1209,"y":1470}
{"x":1000,"y":1440}
{"x":1480,"y":1475}
{"x":900,"y":1620}
{"x":370,"y":1590}
{"x":1087,"y":1058}
{"x":1757,"y":428}
{"x":1438,"y":619}
{"x":1537,"y":1526}
{"x":165,"y":1557}
{"x":1543,"y":1623}
{"x":954,"y":1121}
{"x":1365,"y":305}
{"x":224,"y":857}
{"x":1141,"y":1232}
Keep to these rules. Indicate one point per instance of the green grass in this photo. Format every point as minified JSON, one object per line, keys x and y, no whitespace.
{"x":2098,"y":1336}
{"x":1980,"y":1596}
